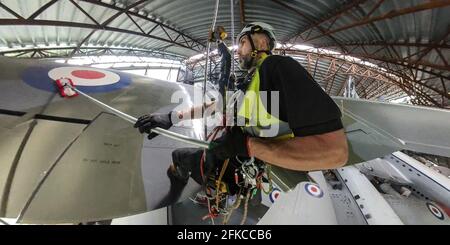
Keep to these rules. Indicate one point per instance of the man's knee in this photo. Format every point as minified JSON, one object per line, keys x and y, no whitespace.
{"x":184,"y":156}
{"x":176,"y":158}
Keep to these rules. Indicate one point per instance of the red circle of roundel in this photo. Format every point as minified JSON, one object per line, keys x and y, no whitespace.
{"x":313,"y":189}
{"x":434,"y":210}
{"x":87,"y":74}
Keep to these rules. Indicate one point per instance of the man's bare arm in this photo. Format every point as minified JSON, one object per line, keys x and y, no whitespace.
{"x":316,"y":152}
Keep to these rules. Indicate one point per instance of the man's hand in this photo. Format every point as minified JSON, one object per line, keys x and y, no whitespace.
{"x":233,"y":143}
{"x":147,"y":122}
{"x":218,"y":34}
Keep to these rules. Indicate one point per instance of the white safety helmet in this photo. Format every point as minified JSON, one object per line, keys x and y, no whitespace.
{"x":258,"y":27}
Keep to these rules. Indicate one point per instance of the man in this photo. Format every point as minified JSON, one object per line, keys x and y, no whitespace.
{"x":310,"y":135}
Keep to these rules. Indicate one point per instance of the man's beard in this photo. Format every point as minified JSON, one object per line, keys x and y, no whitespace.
{"x":246,"y":62}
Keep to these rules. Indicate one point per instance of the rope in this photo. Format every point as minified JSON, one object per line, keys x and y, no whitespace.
{"x":244,"y":217}
{"x":232,"y":36}
{"x":269,"y":179}
{"x":210,"y":214}
{"x":235,"y":205}
{"x":212,"y":136}
{"x":206,"y":69}
{"x":222,"y":172}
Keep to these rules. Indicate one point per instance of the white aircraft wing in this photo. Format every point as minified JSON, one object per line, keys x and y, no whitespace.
{"x":307,"y":204}
{"x":376,"y":129}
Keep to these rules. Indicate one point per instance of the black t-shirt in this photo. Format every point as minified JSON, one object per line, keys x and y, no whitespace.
{"x":303,"y":103}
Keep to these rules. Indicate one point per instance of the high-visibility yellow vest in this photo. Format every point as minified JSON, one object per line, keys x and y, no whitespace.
{"x":258,"y":122}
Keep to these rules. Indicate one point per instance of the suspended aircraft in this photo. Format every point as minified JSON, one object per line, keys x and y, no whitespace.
{"x":71,"y":161}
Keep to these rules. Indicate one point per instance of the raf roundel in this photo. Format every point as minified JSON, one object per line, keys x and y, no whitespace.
{"x":313,"y":190}
{"x":273,"y":196}
{"x":435,"y":211}
{"x":86,"y":79}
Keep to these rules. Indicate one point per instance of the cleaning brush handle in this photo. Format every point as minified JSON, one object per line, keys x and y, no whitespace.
{"x":167,"y":133}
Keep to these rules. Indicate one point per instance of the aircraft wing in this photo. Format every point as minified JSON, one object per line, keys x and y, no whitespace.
{"x":306,"y":204}
{"x":376,"y":129}
{"x":66,"y":160}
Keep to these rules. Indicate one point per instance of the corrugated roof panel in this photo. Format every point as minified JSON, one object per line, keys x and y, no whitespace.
{"x":176,"y":49}
{"x":24,"y":8}
{"x":194,"y":18}
{"x":123,"y":22}
{"x":101,"y":35}
{"x":64,"y":11}
{"x":5,"y":14}
{"x":99,"y":13}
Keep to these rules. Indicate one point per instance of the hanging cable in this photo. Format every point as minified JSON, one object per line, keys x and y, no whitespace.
{"x":219,"y":181}
{"x":232,"y":36}
{"x":213,"y":26}
{"x":244,"y":216}
{"x":235,"y":205}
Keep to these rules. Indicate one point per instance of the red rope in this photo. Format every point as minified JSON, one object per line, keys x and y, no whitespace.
{"x":212,"y":136}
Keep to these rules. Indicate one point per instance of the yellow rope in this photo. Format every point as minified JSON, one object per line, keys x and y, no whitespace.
{"x":219,"y":180}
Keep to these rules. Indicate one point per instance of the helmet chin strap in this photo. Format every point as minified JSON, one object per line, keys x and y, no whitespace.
{"x":250,"y":64}
{"x":255,"y":51}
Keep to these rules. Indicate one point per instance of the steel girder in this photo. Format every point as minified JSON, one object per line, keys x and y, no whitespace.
{"x":176,"y":38}
{"x":67,"y":52}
